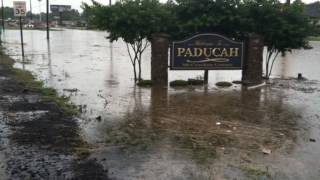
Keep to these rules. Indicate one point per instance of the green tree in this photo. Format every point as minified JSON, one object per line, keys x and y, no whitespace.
{"x":8,"y":12}
{"x":206,"y":16}
{"x":283,"y":26}
{"x":134,"y":21}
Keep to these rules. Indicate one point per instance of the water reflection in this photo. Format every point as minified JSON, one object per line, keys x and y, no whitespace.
{"x":50,"y":73}
{"x":197,"y":128}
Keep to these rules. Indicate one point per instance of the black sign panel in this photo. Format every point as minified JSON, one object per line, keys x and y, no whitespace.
{"x":60,"y":8}
{"x":205,"y":52}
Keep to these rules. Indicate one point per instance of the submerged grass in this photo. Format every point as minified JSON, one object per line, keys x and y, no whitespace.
{"x":256,"y":173}
{"x":49,"y":94}
{"x":200,"y":153}
{"x":30,"y":83}
{"x":63,"y":133}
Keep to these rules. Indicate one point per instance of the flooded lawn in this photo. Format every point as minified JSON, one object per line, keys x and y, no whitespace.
{"x":181,"y":133}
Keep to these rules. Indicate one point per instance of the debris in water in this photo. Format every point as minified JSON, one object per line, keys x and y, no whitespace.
{"x":266,"y":151}
{"x":312,"y":140}
{"x":71,"y":90}
{"x":300,"y":77}
{"x":98,"y":118}
{"x":218,"y":123}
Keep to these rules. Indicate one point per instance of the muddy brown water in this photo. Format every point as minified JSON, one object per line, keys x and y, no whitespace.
{"x":186,"y":133}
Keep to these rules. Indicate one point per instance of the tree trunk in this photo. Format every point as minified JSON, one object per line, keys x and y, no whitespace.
{"x":135,"y":72}
{"x":139,"y":61}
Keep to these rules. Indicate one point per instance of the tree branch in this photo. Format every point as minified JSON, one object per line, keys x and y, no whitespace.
{"x":274,"y":59}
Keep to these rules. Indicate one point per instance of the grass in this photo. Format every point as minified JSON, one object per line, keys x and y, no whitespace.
{"x":256,"y":173}
{"x":132,"y":135}
{"x":29,"y":82}
{"x":82,"y":151}
{"x":70,"y":137}
{"x":201,"y":153}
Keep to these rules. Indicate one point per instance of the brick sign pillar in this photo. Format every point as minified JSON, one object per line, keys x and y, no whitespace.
{"x":159,"y":59}
{"x":253,"y":64}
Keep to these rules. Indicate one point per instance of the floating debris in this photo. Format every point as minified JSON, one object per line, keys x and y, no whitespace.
{"x":99,"y":118}
{"x":266,"y":151}
{"x":312,"y":140}
{"x":71,"y":90}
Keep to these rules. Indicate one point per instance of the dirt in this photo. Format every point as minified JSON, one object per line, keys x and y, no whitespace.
{"x":38,"y":139}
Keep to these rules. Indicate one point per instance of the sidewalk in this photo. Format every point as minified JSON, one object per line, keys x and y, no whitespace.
{"x":39,"y":139}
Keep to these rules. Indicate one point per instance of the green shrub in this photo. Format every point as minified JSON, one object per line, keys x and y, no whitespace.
{"x":195,"y":81}
{"x":223,"y":84}
{"x":179,"y":83}
{"x":145,"y":83}
{"x":237,"y":82}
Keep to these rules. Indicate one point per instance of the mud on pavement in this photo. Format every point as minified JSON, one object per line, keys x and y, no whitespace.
{"x":39,"y":138}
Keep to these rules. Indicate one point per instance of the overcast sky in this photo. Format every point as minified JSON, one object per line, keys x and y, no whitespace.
{"x":74,"y":3}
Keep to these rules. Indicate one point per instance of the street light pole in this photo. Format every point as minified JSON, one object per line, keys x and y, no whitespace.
{"x":48,"y":28}
{"x":2,"y":14}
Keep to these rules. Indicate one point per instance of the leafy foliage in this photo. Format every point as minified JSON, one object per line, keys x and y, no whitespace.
{"x":283,"y":26}
{"x":132,"y":21}
{"x":8,"y":12}
{"x":202,"y":16}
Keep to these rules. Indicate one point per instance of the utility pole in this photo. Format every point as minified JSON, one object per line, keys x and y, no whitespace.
{"x":0,"y":37}
{"x":31,"y":16}
{"x":40,"y":10}
{"x":111,"y":44}
{"x":2,"y":14}
{"x":48,"y":28}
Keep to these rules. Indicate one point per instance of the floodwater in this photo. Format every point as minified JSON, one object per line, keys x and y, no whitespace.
{"x":186,"y":133}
